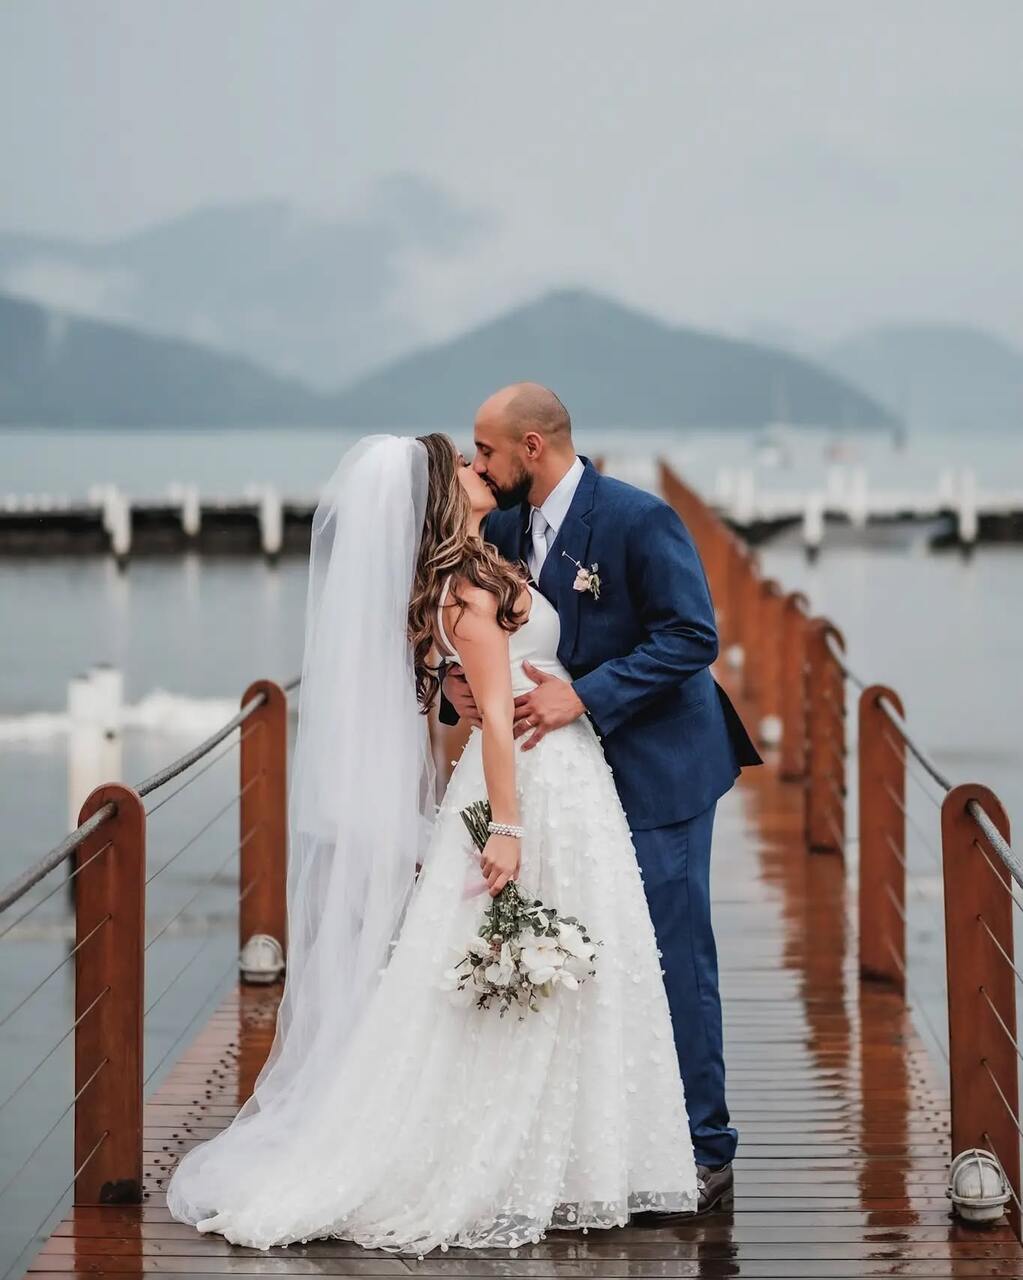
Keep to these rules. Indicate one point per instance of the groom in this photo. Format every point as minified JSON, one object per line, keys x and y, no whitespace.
{"x":638,"y":645}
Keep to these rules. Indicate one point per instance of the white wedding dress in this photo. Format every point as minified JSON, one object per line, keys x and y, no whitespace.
{"x":450,"y":1125}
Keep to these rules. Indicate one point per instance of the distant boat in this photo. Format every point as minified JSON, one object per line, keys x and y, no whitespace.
{"x":774,"y":445}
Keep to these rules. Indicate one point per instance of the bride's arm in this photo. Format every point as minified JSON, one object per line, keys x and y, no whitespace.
{"x":483,"y":648}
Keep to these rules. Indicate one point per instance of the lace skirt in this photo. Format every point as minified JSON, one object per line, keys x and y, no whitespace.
{"x":454,"y":1126}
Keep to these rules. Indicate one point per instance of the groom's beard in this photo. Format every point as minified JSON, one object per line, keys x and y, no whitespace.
{"x":516,"y":494}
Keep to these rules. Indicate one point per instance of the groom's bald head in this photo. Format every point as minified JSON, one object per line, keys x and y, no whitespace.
{"x":527,"y":406}
{"x":523,"y":442}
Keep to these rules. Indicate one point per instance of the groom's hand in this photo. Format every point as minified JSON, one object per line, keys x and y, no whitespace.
{"x":457,"y":691}
{"x":550,"y":705}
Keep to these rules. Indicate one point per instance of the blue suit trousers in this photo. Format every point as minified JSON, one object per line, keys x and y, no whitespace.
{"x":675,"y":864}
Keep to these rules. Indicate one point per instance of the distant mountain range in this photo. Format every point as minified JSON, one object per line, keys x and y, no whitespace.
{"x":264,"y":313}
{"x":315,"y":298}
{"x":941,"y":377}
{"x":65,"y":371}
{"x":613,"y":366}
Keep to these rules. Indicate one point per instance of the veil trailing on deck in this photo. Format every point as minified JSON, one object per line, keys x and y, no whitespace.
{"x":360,"y":810}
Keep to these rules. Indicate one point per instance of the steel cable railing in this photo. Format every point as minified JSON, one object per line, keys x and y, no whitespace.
{"x":86,"y":832}
{"x":972,"y":1048}
{"x":1005,"y":1101}
{"x":194,"y":777}
{"x":233,"y":799}
{"x":1012,"y":1190}
{"x":1001,"y":1021}
{"x":997,"y":841}
{"x":63,"y":884}
{"x":62,"y":851}
{"x":53,"y":1049}
{"x":204,"y":884}
{"x":14,"y":1176}
{"x":211,"y":992}
{"x":195,"y":954}
{"x":178,"y":766}
{"x":974,"y":807}
{"x":918,"y":1003}
{"x":925,"y":840}
{"x":57,"y":855}
{"x":56,"y":968}
{"x":56,"y":1203}
{"x":789,"y":660}
{"x":1000,"y":949}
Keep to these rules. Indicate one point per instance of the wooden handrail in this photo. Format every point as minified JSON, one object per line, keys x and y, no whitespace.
{"x":793,"y":665}
{"x":110,"y":922}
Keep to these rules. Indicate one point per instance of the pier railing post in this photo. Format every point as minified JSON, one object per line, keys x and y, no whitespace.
{"x":743,"y":566}
{"x":770,"y":610}
{"x":882,"y":828}
{"x":751,"y":631}
{"x":793,"y":686}
{"x":110,"y":924}
{"x":729,"y":609}
{"x":826,"y":785}
{"x":263,"y":817}
{"x":981,"y":985}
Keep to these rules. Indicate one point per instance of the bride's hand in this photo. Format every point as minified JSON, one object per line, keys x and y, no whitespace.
{"x":499,"y":862}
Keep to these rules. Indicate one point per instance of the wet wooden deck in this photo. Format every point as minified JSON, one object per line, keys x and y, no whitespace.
{"x":843,"y":1121}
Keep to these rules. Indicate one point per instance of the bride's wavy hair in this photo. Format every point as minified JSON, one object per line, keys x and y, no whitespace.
{"x":447,"y":547}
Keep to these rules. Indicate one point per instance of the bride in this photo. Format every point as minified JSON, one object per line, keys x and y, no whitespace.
{"x":389,"y":1111}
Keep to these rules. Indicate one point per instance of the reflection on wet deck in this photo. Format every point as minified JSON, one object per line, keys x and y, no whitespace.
{"x":843,"y":1122}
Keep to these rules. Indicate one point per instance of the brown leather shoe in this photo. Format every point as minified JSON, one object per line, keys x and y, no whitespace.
{"x":717,"y":1191}
{"x":716,"y":1186}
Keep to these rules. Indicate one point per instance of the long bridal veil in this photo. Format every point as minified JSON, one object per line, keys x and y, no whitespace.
{"x":360,"y":808}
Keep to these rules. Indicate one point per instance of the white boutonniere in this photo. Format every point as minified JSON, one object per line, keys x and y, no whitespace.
{"x":585,"y":579}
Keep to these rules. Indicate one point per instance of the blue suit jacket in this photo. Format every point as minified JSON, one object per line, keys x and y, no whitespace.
{"x":639,"y":655}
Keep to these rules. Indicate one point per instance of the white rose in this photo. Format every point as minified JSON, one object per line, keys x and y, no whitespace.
{"x":577,"y":967}
{"x":478,"y":946}
{"x":567,"y":979}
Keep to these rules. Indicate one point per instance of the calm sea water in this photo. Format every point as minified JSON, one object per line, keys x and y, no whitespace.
{"x":188,"y":634}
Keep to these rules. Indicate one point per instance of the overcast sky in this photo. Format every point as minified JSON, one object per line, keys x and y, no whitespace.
{"x":795,"y":168}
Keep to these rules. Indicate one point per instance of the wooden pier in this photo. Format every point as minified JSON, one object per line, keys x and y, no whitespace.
{"x":957,"y":512}
{"x":259,"y":522}
{"x":262,"y":521}
{"x":846,"y":1125}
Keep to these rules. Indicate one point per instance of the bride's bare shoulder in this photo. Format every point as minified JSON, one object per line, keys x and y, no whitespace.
{"x":463,"y":598}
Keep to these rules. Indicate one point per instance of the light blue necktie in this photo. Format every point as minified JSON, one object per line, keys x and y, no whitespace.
{"x":540,"y":532}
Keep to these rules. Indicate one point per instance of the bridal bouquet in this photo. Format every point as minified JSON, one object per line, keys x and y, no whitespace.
{"x":522,"y":950}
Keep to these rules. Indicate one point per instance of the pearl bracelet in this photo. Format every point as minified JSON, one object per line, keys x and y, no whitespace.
{"x":505,"y":829}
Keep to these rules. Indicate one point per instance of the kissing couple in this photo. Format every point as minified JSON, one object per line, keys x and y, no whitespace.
{"x":483,"y":1037}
